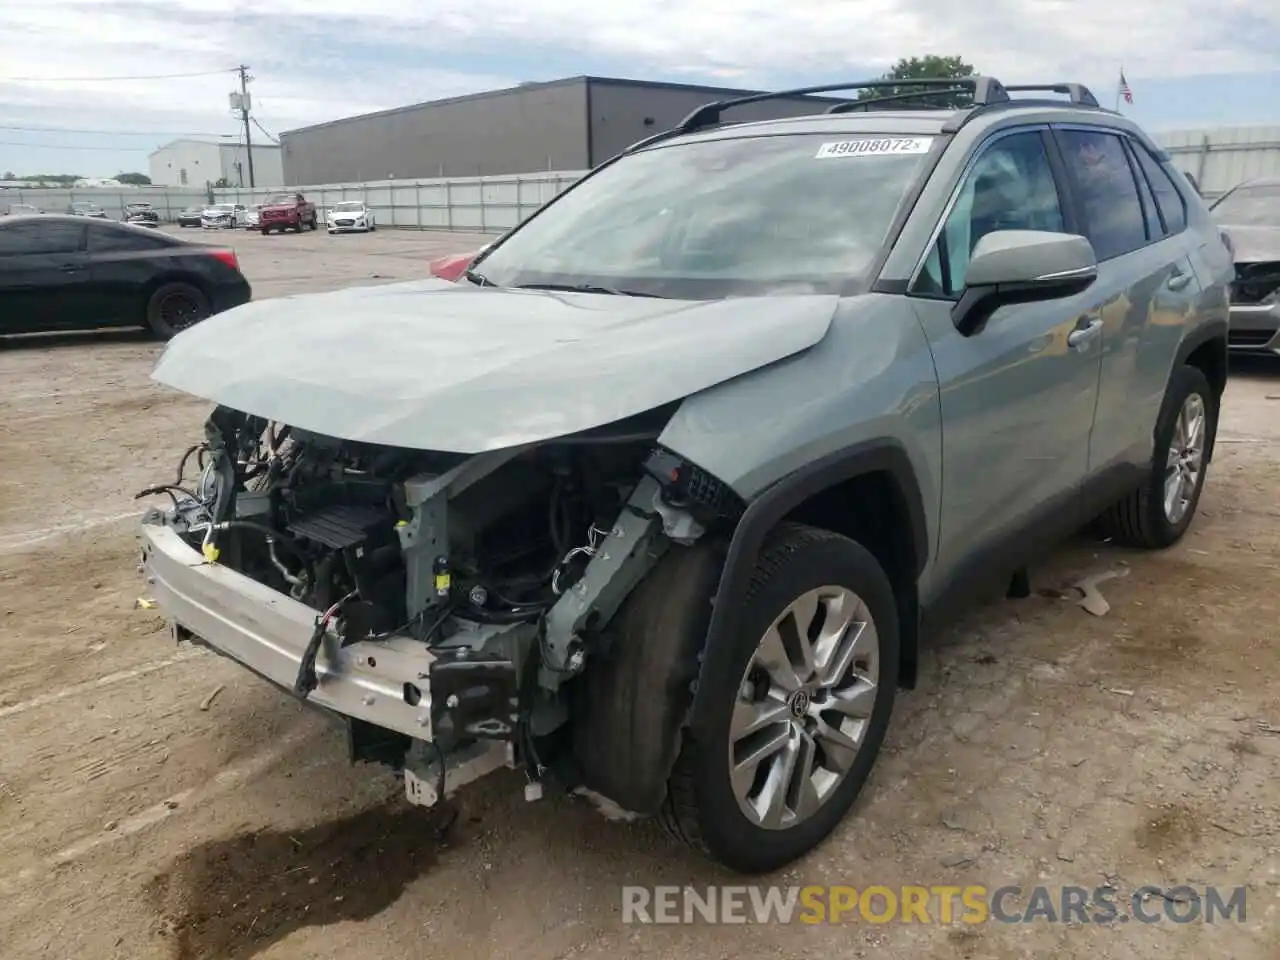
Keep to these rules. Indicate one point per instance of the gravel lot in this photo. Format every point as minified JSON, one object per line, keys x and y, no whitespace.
{"x":1044,"y":745}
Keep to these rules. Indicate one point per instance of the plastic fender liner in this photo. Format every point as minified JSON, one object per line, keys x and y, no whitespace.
{"x":776,"y":501}
{"x":634,"y":698}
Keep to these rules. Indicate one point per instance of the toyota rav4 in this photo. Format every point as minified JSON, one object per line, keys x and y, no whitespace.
{"x":656,"y":502}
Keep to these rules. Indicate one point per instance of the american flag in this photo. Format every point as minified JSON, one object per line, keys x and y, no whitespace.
{"x":1124,"y":89}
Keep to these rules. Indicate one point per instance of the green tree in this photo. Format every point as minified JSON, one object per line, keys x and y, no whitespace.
{"x":10,"y":175}
{"x":924,"y":68}
{"x":134,"y":179}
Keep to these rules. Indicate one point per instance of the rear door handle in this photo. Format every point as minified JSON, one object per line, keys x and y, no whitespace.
{"x":1081,"y":337}
{"x":1178,"y":279}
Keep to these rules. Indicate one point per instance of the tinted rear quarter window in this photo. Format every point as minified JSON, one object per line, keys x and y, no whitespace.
{"x":1106,"y":189}
{"x":123,"y":240}
{"x":39,"y":237}
{"x":1173,"y":208}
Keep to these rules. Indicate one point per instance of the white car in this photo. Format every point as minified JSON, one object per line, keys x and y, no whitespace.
{"x":350,"y":216}
{"x":252,"y":217}
{"x":222,"y":216}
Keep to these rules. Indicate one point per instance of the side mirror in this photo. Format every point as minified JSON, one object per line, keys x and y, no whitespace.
{"x":1022,"y":266}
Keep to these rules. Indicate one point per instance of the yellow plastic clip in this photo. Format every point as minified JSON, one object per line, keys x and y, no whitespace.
{"x":145,"y":604}
{"x":211,"y":552}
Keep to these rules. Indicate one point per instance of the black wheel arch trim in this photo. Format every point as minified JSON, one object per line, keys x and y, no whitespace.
{"x":1216,"y":329}
{"x":777,"y":500}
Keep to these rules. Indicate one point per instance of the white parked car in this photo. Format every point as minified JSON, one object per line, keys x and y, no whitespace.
{"x":252,"y":217}
{"x":350,"y":216}
{"x":222,"y":216}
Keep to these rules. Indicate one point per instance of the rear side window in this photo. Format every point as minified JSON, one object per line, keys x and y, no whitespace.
{"x":1107,"y":191}
{"x":1173,"y":208}
{"x":1150,"y":210}
{"x":39,"y":237}
{"x":108,"y":240}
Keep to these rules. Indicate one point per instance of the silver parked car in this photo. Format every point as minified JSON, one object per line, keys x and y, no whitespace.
{"x":754,"y":405}
{"x":222,"y":216}
{"x":1250,"y":215}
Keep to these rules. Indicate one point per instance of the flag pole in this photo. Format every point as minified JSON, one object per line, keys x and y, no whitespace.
{"x":1118,"y":88}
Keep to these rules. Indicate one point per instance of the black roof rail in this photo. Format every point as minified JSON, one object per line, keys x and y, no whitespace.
{"x":849,"y":106}
{"x":985,"y":90}
{"x":1080,"y":94}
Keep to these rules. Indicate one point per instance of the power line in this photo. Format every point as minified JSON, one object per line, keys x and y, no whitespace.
{"x":270,"y":136}
{"x":152,"y":76}
{"x":116,"y":133}
{"x":63,"y":146}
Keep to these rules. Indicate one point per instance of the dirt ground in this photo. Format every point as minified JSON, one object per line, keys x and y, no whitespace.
{"x":1043,"y":745}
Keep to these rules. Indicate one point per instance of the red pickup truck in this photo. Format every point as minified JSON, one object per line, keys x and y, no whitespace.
{"x":287,"y":211}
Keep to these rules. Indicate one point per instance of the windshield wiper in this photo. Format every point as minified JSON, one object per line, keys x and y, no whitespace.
{"x":479,"y":279}
{"x":584,"y":288}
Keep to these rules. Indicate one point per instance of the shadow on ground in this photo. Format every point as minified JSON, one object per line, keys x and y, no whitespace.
{"x":232,"y":898}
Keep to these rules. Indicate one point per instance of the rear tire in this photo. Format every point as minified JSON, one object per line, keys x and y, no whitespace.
{"x":840,"y":725}
{"x":1158,"y":513}
{"x":175,"y":307}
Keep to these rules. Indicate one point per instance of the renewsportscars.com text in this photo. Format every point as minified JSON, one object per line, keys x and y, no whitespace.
{"x":971,"y":904}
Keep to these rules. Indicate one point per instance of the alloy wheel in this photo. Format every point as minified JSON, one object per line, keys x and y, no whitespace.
{"x":1184,"y":465}
{"x":179,"y":311}
{"x":803,"y":707}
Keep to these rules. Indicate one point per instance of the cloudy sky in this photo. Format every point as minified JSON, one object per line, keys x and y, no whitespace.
{"x":1188,"y":64}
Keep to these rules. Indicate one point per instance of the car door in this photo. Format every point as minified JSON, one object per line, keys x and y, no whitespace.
{"x":43,"y":274}
{"x":1146,"y":284}
{"x":1017,"y":396}
{"x":122,"y":261}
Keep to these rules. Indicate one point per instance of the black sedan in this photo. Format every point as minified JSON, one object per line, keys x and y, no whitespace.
{"x":72,"y":273}
{"x":190,"y":216}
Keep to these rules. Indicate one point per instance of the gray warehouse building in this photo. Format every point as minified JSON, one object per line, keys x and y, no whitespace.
{"x":570,"y":124}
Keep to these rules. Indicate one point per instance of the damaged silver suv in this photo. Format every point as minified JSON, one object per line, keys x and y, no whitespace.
{"x":656,"y":503}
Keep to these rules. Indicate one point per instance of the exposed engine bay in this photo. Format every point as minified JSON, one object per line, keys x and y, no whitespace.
{"x":506,"y":566}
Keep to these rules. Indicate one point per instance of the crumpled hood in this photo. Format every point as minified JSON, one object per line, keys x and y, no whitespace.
{"x":437,"y":366}
{"x":1254,"y":244}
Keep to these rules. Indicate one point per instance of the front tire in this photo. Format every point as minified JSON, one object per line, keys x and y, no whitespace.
{"x":794,"y":707}
{"x":174,"y":307}
{"x":1158,"y":513}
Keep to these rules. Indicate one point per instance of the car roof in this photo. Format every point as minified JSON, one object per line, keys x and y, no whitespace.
{"x":45,"y":218}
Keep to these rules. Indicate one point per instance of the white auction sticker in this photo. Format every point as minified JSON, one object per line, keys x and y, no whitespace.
{"x":874,"y":147}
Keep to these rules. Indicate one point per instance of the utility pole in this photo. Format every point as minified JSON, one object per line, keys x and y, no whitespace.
{"x":244,"y":116}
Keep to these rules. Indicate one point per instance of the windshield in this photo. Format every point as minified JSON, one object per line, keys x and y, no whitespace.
{"x":703,"y":220}
{"x":1253,"y":205}
{"x":348,"y":207}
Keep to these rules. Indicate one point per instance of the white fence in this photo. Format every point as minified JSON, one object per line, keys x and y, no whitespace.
{"x":1221,"y":157}
{"x":473,"y":204}
{"x":482,"y":204}
{"x":168,"y":201}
